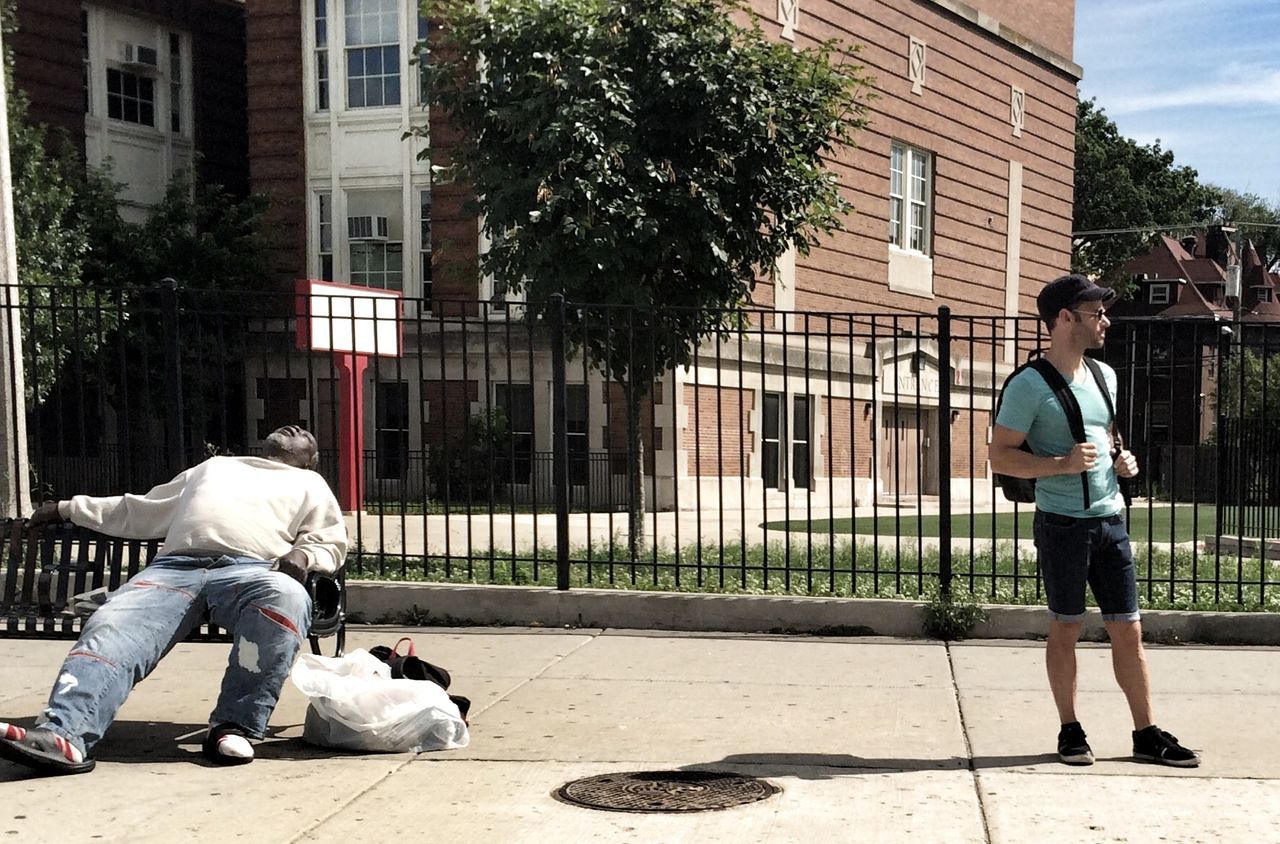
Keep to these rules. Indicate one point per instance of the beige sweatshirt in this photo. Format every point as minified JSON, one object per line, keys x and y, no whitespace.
{"x":238,"y":506}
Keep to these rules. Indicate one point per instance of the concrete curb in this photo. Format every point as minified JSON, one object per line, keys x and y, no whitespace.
{"x":537,"y":606}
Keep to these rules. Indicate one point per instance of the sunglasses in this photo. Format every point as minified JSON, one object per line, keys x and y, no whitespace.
{"x":1098,"y":314}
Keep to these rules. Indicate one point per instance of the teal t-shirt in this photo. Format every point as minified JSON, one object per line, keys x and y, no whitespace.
{"x":1029,"y":407}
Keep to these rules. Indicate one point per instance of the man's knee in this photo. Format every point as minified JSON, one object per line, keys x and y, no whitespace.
{"x":1064,"y":633}
{"x":1125,"y":634}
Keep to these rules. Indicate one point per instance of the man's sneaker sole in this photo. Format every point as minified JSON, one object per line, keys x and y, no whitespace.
{"x":1079,"y":759}
{"x":1172,"y":763}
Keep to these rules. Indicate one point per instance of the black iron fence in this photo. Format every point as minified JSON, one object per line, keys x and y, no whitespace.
{"x":813,"y":453}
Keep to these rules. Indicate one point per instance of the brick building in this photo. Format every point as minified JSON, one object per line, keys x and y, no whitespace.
{"x":963,"y":189}
{"x":150,"y":86}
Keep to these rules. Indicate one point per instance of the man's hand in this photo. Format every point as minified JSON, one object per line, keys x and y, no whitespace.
{"x":1126,"y":464}
{"x":1082,"y":458}
{"x":46,"y":514}
{"x":293,"y":564}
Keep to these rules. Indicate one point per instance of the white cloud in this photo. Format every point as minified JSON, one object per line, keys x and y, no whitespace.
{"x":1259,"y":86}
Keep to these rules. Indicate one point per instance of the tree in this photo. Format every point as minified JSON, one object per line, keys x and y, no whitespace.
{"x":1233,"y":207}
{"x":651,"y":157}
{"x":1120,"y":184}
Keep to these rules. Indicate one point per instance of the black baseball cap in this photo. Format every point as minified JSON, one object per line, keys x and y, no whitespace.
{"x":1069,"y":291}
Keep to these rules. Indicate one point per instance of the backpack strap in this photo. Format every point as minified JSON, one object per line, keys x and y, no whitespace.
{"x":1095,"y":369}
{"x":1075,"y":420}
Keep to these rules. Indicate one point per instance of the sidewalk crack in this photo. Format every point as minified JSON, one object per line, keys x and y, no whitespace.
{"x":968,"y":746}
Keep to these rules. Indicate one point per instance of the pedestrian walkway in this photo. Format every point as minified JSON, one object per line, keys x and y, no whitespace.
{"x":870,"y":739}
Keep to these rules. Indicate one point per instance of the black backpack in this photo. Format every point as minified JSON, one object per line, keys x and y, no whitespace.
{"x":1023,"y":490}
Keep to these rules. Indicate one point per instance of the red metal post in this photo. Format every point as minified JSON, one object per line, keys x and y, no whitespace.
{"x":351,"y":429}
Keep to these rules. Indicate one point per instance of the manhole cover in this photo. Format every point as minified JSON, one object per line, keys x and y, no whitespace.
{"x":665,"y":791}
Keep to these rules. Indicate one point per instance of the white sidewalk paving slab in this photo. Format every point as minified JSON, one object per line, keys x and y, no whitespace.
{"x":870,"y":739}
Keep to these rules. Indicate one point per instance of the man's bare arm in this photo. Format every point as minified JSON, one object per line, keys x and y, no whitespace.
{"x":1007,"y":458}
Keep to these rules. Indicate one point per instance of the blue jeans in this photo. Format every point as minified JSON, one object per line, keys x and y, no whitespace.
{"x":267,"y":612}
{"x":1096,"y":551}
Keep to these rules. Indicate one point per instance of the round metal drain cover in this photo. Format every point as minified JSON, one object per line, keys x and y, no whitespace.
{"x":665,"y":791}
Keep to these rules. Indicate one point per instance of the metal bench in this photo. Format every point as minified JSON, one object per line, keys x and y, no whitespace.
{"x":46,"y":568}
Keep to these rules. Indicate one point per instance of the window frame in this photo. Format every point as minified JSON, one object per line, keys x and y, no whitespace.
{"x":123,"y":98}
{"x":1163,"y":288}
{"x":515,"y":463}
{"x":384,"y":49}
{"x":909,"y":192}
{"x":391,"y":430}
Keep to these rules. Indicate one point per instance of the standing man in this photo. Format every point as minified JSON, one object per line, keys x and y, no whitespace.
{"x":240,"y":535}
{"x":1079,"y":542}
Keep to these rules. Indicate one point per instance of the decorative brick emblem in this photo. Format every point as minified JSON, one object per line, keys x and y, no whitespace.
{"x":789,"y":17}
{"x":1017,"y":109}
{"x":916,"y":59}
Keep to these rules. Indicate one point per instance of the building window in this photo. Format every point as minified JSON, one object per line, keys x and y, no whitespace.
{"x":86,"y":75}
{"x":324,"y":234}
{"x":282,"y":400}
{"x":910,"y":198}
{"x":1264,"y":294}
{"x":423,"y":86}
{"x":377,"y":264}
{"x":1159,"y":420}
{"x":391,"y":429}
{"x":516,"y":403}
{"x":784,"y":438}
{"x":175,"y":83}
{"x":322,"y":55}
{"x":1158,"y":294}
{"x":801,"y":465}
{"x":131,"y":98}
{"x":373,"y":53}
{"x":424,"y":255}
{"x":576,"y":430}
{"x":771,"y":441}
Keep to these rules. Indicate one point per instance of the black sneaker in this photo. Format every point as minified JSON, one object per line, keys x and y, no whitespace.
{"x":1155,"y":745}
{"x":1073,"y":749}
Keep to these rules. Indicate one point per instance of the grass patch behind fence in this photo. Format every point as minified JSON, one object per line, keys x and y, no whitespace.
{"x":1161,"y":523}
{"x":1182,"y":580}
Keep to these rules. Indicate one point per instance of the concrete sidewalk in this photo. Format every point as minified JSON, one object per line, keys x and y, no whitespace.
{"x":870,"y":739}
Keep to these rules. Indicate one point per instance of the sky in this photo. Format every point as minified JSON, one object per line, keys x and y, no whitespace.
{"x":1203,"y":78}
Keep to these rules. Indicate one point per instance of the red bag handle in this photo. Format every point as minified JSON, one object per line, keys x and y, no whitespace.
{"x":396,"y":650}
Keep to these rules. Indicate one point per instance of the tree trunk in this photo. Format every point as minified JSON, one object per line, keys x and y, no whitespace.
{"x":635,"y":444}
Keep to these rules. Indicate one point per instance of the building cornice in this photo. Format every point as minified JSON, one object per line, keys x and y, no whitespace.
{"x":1016,"y":39}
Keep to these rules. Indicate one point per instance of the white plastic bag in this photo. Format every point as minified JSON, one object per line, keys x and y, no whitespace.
{"x":356,"y":705}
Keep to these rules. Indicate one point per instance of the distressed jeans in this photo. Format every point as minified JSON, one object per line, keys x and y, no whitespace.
{"x":267,"y":613}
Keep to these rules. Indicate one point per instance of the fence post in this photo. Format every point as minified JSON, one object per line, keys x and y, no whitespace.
{"x":173,"y":375}
{"x":944,"y":450}
{"x":560,"y":440}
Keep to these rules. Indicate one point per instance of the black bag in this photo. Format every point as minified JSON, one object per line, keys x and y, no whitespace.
{"x":1023,"y":490}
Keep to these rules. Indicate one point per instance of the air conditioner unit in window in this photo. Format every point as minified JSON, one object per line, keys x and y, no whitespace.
{"x":367,"y":227}
{"x":138,"y":55}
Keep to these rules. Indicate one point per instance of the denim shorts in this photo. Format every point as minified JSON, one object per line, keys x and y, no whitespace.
{"x":1073,"y":552}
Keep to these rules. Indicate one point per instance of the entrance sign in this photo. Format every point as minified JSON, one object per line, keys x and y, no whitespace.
{"x":352,"y":323}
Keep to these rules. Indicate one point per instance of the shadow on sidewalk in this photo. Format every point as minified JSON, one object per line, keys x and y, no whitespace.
{"x":806,"y":765}
{"x":166,"y":742}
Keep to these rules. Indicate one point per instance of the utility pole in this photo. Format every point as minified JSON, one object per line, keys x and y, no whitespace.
{"x":15,"y":491}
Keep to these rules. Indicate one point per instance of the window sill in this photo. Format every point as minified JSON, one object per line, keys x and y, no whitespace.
{"x":910,"y":272}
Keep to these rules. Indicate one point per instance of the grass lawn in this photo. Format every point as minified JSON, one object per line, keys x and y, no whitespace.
{"x":1159,"y":523}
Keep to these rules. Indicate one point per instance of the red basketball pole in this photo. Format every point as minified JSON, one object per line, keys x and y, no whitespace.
{"x":351,"y":369}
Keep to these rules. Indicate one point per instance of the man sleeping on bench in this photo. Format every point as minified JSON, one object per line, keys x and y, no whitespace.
{"x":240,"y":535}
